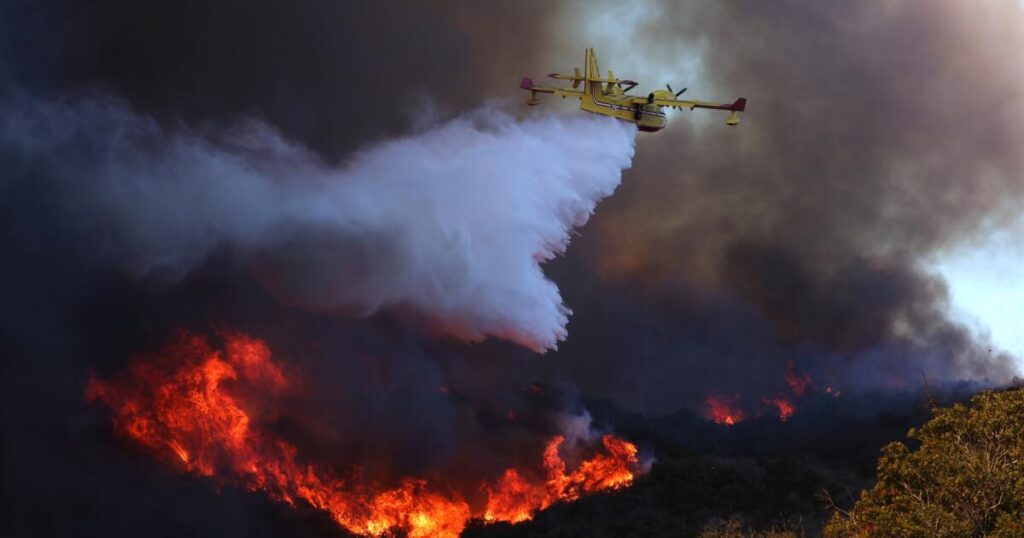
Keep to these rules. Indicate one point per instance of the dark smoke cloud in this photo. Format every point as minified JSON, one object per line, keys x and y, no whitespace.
{"x":332,"y":75}
{"x":305,"y":67}
{"x":874,"y":137}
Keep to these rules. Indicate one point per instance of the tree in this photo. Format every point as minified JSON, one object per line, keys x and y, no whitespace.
{"x":966,"y":478}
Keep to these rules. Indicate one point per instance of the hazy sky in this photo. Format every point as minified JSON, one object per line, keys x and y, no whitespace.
{"x":986,"y":280}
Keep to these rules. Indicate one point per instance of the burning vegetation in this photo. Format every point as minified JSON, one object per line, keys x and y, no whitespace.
{"x":203,"y":409}
{"x":798,"y":382}
{"x":723,"y":410}
{"x":731,"y":410}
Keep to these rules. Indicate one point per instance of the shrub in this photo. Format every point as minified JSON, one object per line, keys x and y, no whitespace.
{"x":966,"y":478}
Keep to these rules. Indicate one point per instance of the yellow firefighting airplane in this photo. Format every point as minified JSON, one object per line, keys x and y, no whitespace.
{"x":607,"y":96}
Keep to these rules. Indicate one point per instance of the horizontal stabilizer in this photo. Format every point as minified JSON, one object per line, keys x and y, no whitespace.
{"x":612,"y":80}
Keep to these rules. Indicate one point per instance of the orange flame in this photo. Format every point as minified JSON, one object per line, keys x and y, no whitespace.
{"x":188,"y":406}
{"x":798,"y":382}
{"x":513,"y":498}
{"x":723,"y":410}
{"x":785,"y":407}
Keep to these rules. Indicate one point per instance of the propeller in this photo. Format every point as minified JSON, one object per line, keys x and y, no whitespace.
{"x":678,"y":93}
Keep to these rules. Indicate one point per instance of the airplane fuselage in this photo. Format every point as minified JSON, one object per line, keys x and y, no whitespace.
{"x":647,"y":117}
{"x":610,"y":99}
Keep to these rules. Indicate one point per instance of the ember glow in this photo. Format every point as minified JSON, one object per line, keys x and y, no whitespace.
{"x":785,"y":407}
{"x":200,"y":407}
{"x":723,"y":410}
{"x":798,"y":382}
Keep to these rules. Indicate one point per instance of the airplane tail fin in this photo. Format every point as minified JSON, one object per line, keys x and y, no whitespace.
{"x":527,"y":84}
{"x":592,"y":71}
{"x":739,"y":106}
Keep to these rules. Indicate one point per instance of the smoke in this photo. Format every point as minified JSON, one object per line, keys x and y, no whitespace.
{"x":802,"y":234}
{"x":452,"y":224}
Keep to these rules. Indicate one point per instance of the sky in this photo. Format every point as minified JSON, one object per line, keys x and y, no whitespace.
{"x":986,"y":280}
{"x":986,"y":283}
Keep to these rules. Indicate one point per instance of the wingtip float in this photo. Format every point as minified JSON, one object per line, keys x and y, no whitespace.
{"x":608,"y":97}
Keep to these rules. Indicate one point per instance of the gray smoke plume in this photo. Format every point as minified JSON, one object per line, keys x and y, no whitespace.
{"x":452,"y":224}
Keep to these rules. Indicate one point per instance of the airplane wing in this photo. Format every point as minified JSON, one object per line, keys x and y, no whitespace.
{"x":738,"y":106}
{"x":527,"y":84}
